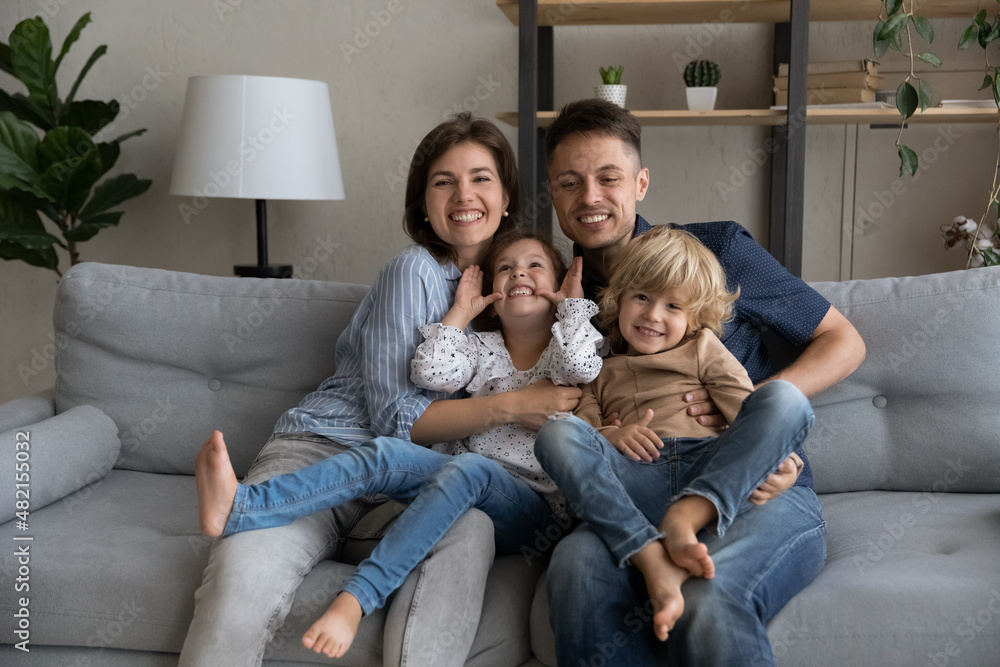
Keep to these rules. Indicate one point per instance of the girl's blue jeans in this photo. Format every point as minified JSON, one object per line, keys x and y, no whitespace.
{"x":439,"y":489}
{"x":623,"y":501}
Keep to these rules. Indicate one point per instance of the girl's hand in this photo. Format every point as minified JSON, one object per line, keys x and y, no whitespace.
{"x":637,"y":441}
{"x":469,"y":299}
{"x":572,"y":285}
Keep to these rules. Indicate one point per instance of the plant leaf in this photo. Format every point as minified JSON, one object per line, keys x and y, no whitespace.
{"x":98,"y":52}
{"x":995,"y":33}
{"x":72,"y":165}
{"x":879,"y":46}
{"x":19,"y":223}
{"x":928,"y":57}
{"x":996,"y":86}
{"x":987,"y":82}
{"x":109,"y":155}
{"x":47,"y":259}
{"x":980,"y":18}
{"x":113,"y":192}
{"x":31,"y":58}
{"x":73,"y":35}
{"x":968,"y":37}
{"x":892,"y":27}
{"x":926,"y":95}
{"x":128,"y":135}
{"x":990,"y":257}
{"x":892,"y":6}
{"x":25,"y":109}
{"x":89,"y":227}
{"x":90,"y":115}
{"x":906,"y":99}
{"x":5,"y":63}
{"x":907,"y":160}
{"x":924,"y":28}
{"x":984,"y":33}
{"x":18,"y":156}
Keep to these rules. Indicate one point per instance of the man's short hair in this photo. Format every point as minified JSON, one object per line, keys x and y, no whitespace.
{"x":594,"y":117}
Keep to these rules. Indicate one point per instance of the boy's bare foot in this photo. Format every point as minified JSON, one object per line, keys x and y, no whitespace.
{"x":663,"y":583}
{"x":216,"y":484}
{"x":333,"y":633}
{"x":680,"y":526}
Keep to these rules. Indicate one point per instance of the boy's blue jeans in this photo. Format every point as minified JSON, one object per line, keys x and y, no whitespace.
{"x":440,"y":488}
{"x":623,"y":501}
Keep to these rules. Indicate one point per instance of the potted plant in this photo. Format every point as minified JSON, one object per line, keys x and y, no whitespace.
{"x":701,"y":78}
{"x":612,"y":90}
{"x":50,"y":156}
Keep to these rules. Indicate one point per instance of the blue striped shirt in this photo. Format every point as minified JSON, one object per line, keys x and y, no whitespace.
{"x":371,"y":394}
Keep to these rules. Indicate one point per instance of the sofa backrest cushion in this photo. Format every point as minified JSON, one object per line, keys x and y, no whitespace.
{"x":170,"y":356}
{"x":922,"y":413}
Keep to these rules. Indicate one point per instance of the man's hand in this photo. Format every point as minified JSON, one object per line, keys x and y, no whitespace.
{"x":637,"y":441}
{"x":534,"y":404}
{"x":572,"y":285}
{"x":469,"y":299}
{"x":704,"y":410}
{"x":780,"y":481}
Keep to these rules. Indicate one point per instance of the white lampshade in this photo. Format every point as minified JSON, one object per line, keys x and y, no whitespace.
{"x":257,"y":137}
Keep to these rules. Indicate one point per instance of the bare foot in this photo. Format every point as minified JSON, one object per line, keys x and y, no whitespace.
{"x":663,"y":583}
{"x":680,"y":526}
{"x":333,"y":633}
{"x":216,"y":483}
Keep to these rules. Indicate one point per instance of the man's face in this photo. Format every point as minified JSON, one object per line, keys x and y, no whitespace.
{"x":594,"y":187}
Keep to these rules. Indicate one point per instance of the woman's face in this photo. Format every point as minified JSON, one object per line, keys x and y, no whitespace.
{"x":465,"y":200}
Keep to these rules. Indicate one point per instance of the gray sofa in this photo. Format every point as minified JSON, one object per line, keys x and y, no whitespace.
{"x":906,"y":455}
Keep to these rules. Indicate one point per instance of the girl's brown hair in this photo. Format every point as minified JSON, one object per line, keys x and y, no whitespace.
{"x":461,"y":129}
{"x":665,"y":259}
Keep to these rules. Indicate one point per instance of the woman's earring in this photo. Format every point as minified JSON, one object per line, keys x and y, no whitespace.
{"x":426,"y":219}
{"x":505,"y":214}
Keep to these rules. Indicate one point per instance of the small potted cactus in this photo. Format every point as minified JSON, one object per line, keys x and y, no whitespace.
{"x":701,"y":77}
{"x":612,"y":90}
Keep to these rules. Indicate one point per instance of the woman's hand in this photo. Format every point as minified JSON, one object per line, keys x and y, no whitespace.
{"x":469,"y":299}
{"x":533,"y":405}
{"x":704,"y":410}
{"x":637,"y":441}
{"x":572,"y":284}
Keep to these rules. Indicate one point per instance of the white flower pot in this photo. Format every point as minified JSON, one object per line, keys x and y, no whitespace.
{"x":701,"y":98}
{"x":611,"y":92}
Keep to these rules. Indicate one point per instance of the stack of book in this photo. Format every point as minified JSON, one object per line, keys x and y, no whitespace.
{"x":842,"y":82}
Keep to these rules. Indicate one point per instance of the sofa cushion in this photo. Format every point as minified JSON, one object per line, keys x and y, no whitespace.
{"x":58,"y":455}
{"x":170,"y":356}
{"x":912,"y":578}
{"x":921,"y":411}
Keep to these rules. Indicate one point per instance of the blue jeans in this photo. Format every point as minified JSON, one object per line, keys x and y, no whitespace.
{"x":438,"y":487}
{"x":767,"y":554}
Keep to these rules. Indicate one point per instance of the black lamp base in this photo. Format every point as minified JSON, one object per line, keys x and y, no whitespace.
{"x":269,"y":271}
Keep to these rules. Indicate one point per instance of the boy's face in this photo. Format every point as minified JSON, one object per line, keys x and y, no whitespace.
{"x":520,"y":271}
{"x":594,"y":187}
{"x":653,"y":322}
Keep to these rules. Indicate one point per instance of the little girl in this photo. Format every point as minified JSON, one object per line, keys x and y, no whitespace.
{"x":545,"y":334}
{"x":646,"y":488}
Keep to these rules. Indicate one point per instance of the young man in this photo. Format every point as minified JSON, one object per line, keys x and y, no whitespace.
{"x":771,"y":551}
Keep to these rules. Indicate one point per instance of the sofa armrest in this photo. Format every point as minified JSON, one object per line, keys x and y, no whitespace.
{"x":28,"y":410}
{"x":57,"y":456}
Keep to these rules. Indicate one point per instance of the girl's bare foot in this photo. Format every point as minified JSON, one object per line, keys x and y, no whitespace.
{"x":333,"y":633}
{"x":663,"y":583}
{"x":680,"y":526}
{"x":216,"y":484}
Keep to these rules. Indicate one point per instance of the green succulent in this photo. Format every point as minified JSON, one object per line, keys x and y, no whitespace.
{"x":50,"y":159}
{"x":612,"y":75}
{"x":700,"y":73}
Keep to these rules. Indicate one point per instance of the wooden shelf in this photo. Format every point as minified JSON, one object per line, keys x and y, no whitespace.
{"x":680,"y":118}
{"x":642,"y":12}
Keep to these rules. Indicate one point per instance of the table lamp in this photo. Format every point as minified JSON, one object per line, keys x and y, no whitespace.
{"x":257,"y":137}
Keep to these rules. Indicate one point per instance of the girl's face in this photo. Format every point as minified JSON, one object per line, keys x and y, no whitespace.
{"x":465,"y":200}
{"x":523,"y":268}
{"x":653,"y":322}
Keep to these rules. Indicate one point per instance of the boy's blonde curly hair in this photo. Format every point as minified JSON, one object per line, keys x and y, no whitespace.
{"x":664,"y":259}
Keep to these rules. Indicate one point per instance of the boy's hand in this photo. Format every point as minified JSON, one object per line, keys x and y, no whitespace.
{"x":637,"y":441}
{"x":572,"y":285}
{"x":469,"y":299}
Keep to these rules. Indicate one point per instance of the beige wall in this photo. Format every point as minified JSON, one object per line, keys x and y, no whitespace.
{"x":426,"y":59}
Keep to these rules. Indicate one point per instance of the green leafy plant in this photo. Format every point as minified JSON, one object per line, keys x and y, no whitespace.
{"x":894,"y":22}
{"x":612,"y":76}
{"x":981,"y":238}
{"x":50,"y":161}
{"x":701,"y":73}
